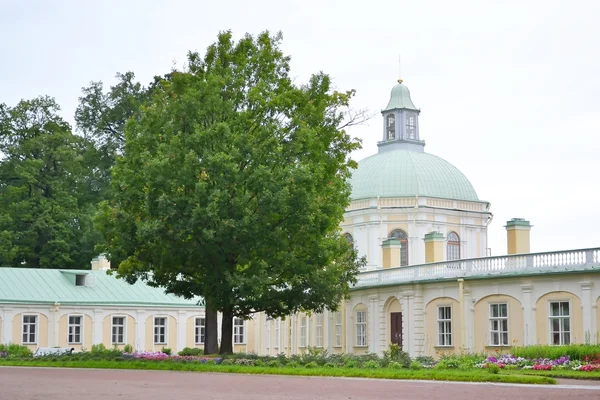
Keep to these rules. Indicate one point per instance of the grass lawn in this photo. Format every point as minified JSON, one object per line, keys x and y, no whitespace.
{"x":381,"y":373}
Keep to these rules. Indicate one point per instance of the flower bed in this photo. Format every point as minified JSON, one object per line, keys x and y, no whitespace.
{"x":539,"y":364}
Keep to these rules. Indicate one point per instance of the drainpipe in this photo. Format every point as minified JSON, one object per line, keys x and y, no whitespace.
{"x":461,"y":311}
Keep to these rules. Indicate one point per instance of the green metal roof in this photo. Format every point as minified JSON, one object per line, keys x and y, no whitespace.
{"x":400,"y":98}
{"x":37,"y":286}
{"x":404,"y":173}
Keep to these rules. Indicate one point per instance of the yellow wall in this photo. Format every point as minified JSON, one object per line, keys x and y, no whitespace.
{"x":517,"y":240}
{"x":434,"y":251}
{"x":391,"y":257}
{"x":190,"y":336}
{"x":431,"y":326}
{"x":42,"y":330}
{"x":542,"y":313}
{"x":482,"y":322}
{"x":87,"y":333}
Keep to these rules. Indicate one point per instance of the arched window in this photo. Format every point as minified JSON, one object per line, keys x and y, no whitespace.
{"x":400,"y":234}
{"x":349,"y":239}
{"x":390,"y":126}
{"x":453,"y":247}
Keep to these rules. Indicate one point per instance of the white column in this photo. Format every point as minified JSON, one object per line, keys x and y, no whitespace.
{"x":373,"y":318}
{"x":528,"y":316}
{"x":468,"y":327}
{"x":140,"y":331}
{"x":97,"y":326}
{"x":7,"y":327}
{"x":181,"y":330}
{"x":349,"y":334}
{"x":587,"y":314}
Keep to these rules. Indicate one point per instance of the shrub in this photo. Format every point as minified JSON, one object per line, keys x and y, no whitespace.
{"x":351,"y":363}
{"x":14,"y":350}
{"x":128,"y":348}
{"x":228,"y":361}
{"x":395,"y":354}
{"x":395,"y":365}
{"x":167,"y":351}
{"x":258,"y":363}
{"x":273,"y":363}
{"x":493,"y":368}
{"x":98,"y":348}
{"x":371,"y":364}
{"x":415,"y":365}
{"x":579,"y":352}
{"x":191,"y":351}
{"x":312,"y":364}
{"x":293,"y":364}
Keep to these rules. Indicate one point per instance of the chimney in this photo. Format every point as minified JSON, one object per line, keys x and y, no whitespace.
{"x":434,"y":247}
{"x":100,"y":263}
{"x":517,"y":236}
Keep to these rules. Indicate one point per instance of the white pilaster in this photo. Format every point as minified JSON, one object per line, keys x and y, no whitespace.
{"x":373,"y":319}
{"x":468,"y":311}
{"x":140,"y":331}
{"x":181,"y":330}
{"x":406,"y":324}
{"x":97,"y":326}
{"x":349,"y":335}
{"x":7,"y":319}
{"x":588,"y":315}
{"x":528,"y":316}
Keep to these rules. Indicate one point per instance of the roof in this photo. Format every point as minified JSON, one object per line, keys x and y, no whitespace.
{"x":400,"y":98}
{"x":36,"y":286}
{"x":404,"y":173}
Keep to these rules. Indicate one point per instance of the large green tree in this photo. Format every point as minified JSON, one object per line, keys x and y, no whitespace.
{"x":46,"y":208}
{"x":232,"y":186}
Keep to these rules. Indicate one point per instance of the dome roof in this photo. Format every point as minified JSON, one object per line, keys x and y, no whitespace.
{"x":400,"y":98}
{"x":404,"y":173}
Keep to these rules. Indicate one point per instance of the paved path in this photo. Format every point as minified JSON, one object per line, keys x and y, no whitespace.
{"x":94,"y":384}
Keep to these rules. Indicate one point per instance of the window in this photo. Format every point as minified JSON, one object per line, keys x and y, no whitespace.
{"x":319,"y":330}
{"x":453,"y":248}
{"x":277,"y":332}
{"x":560,"y":323}
{"x":29,"y":329}
{"x":160,"y":330}
{"x":200,"y":327}
{"x":75,"y":329}
{"x":499,"y":324}
{"x":444,"y":326}
{"x":303,"y":331}
{"x":238,"y":331}
{"x":118,"y":330}
{"x":390,"y":127}
{"x":400,"y":234}
{"x":338,"y":329}
{"x":411,"y":127}
{"x":361,"y":328}
{"x":349,"y":240}
{"x":79,"y":280}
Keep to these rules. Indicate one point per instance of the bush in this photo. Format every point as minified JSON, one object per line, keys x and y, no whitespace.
{"x":273,"y":363}
{"x":167,"y":351}
{"x":395,"y":365}
{"x":395,"y":354}
{"x":98,"y":348}
{"x":128,"y":348}
{"x":191,"y":351}
{"x":14,"y":351}
{"x":258,"y":363}
{"x":371,"y":364}
{"x":312,"y":364}
{"x":579,"y":352}
{"x":493,"y":368}
{"x":415,"y":365}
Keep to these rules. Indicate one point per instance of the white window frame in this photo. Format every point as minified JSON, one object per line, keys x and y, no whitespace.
{"x":29,"y":325}
{"x":277,"y":333}
{"x":444,"y":326}
{"x":69,"y":326}
{"x":239,"y":335}
{"x":113,"y":326}
{"x":303,"y":329}
{"x":338,"y":329}
{"x":561,"y":332}
{"x":319,"y":330}
{"x":361,"y":328}
{"x":500,"y":320}
{"x":199,"y":330}
{"x":165,"y":333}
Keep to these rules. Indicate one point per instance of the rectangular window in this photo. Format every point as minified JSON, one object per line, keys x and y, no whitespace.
{"x":118,"y":330}
{"x":319,"y":330}
{"x":277,"y":332}
{"x":444,"y":326}
{"x":499,"y":324}
{"x":560,"y":323}
{"x":338,"y":329}
{"x":29,"y":329}
{"x":361,"y":328}
{"x":160,"y":330}
{"x":302,"y":331}
{"x":74,"y":329}
{"x":199,"y":331}
{"x":238,"y":331}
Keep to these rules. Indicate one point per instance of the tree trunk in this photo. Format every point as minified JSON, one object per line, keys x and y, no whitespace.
{"x":227,"y":333}
{"x":211,"y":345}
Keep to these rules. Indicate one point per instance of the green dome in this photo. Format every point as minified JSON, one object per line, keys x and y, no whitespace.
{"x":400,"y":98}
{"x":404,"y":173}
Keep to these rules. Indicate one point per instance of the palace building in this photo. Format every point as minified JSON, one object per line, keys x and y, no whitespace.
{"x":428,"y":286}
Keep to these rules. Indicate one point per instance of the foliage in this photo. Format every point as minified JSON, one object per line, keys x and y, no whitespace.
{"x":415,"y":365}
{"x":46,"y":198}
{"x":232,"y":186}
{"x":98,"y":348}
{"x":581,"y":352}
{"x":395,"y":354}
{"x":493,"y":368}
{"x":128,"y":348}
{"x":13,"y":350}
{"x":166,"y":350}
{"x":191,"y":351}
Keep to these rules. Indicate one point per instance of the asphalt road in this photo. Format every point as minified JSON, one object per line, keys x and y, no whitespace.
{"x":90,"y":384}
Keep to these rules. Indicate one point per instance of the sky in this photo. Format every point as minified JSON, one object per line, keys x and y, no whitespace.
{"x":509,"y":91}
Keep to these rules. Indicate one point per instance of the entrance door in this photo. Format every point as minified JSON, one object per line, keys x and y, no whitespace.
{"x":396,"y":328}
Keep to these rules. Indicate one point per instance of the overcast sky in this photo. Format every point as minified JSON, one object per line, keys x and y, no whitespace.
{"x":509,"y":91}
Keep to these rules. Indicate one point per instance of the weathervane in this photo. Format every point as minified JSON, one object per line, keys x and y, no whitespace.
{"x":399,"y":69}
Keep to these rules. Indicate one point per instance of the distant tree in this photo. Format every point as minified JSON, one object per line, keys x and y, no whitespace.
{"x":45,"y":208}
{"x":232,"y":186}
